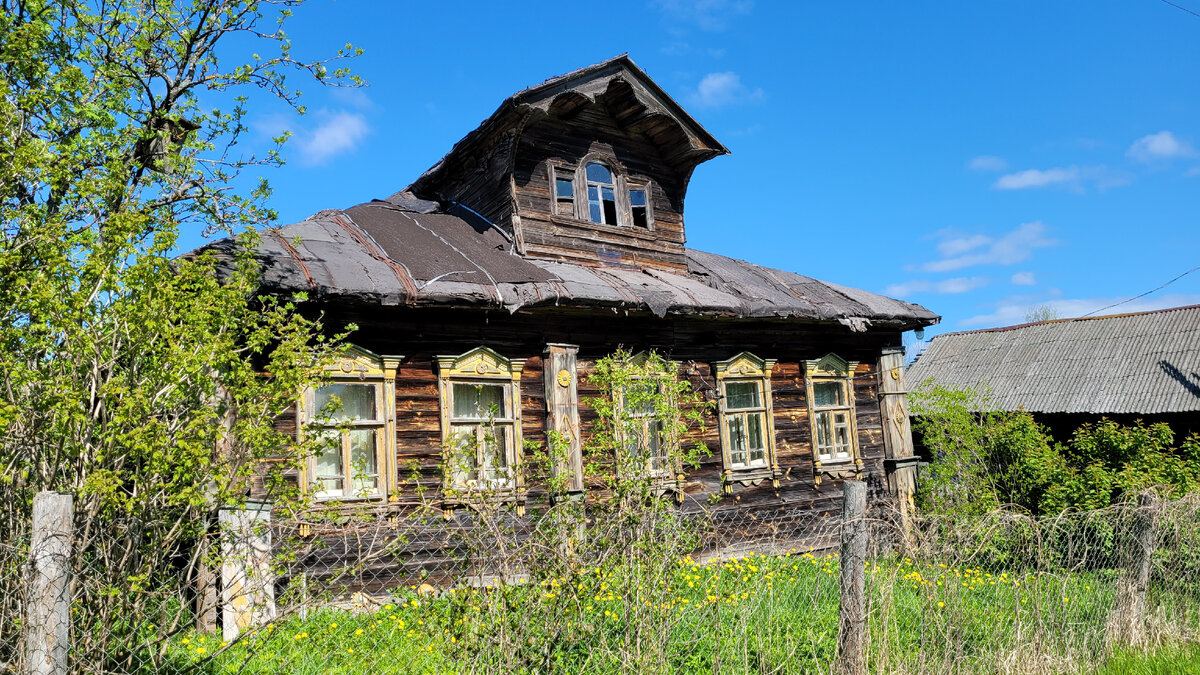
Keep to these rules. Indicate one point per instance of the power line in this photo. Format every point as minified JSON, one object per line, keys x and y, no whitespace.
{"x":1181,"y":7}
{"x":1116,"y":304}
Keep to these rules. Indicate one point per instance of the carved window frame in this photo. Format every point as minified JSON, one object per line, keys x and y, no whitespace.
{"x":482,"y":366}
{"x":746,"y":368}
{"x":669,"y":477}
{"x":831,"y":368}
{"x":355,"y":366}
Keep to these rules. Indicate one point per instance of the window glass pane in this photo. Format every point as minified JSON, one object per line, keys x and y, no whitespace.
{"x":564,"y":188}
{"x":364,"y":468}
{"x":740,"y":395}
{"x":599,"y":173}
{"x":610,"y":206}
{"x":651,"y":440}
{"x":357,"y":401}
{"x":478,"y":401}
{"x":464,"y":444}
{"x":754,"y":427}
{"x":828,"y":393}
{"x":639,"y":399}
{"x":495,"y":455}
{"x":737,"y":440}
{"x":327,"y":466}
{"x":594,"y":212}
{"x":637,"y":197}
{"x":824,"y":434}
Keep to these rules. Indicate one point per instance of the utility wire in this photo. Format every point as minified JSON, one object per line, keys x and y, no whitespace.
{"x":1115,"y":304}
{"x":1197,"y":14}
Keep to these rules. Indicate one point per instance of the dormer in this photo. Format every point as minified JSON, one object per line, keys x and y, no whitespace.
{"x":589,"y":167}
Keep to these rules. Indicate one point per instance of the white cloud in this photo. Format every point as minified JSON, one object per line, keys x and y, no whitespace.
{"x":952,"y":245}
{"x":721,"y":89}
{"x":945,"y":287}
{"x":987,"y":163}
{"x":1034,"y":178}
{"x":707,"y":15}
{"x":968,"y":251}
{"x":1024,"y":279}
{"x":1161,"y":146}
{"x":1012,"y":311}
{"x":338,"y":133}
{"x":1072,"y":177}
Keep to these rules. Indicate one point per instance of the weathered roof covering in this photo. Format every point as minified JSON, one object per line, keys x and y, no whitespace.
{"x":409,"y":252}
{"x":1144,"y":363}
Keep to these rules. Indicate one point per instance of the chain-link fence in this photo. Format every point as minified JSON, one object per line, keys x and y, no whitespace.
{"x":588,"y":587}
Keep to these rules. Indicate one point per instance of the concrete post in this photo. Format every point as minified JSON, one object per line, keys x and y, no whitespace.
{"x":48,"y":608}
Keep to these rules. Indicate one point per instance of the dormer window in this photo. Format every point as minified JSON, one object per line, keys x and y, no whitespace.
{"x":564,"y":192}
{"x":602,"y":194}
{"x":639,"y":210}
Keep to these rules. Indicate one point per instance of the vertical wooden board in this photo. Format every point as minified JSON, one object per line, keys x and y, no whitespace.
{"x":560,"y":377}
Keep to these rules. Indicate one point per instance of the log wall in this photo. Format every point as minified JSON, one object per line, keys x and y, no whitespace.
{"x":423,"y":334}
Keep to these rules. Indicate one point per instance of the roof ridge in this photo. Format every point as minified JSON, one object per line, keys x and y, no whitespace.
{"x":1001,"y":329}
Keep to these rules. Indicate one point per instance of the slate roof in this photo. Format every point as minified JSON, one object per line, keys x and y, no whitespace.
{"x":404,"y":251}
{"x":1143,"y":363}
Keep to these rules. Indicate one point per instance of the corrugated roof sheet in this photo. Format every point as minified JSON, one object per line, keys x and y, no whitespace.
{"x":1142,"y":363}
{"x":408,"y":252}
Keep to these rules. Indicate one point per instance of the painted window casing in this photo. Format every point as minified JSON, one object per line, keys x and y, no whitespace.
{"x":746,"y":420}
{"x":355,"y":410}
{"x":479,"y":394}
{"x":830,"y":389}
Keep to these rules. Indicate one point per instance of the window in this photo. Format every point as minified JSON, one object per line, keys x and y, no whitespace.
{"x":480,"y":433}
{"x":831,"y":411}
{"x":747,"y":427}
{"x":638,"y":208}
{"x":481,"y":426}
{"x":601,"y":193}
{"x":350,"y":418}
{"x":642,"y":430}
{"x":564,"y":191}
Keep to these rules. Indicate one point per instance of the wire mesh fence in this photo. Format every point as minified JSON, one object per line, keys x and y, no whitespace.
{"x":581,"y":588}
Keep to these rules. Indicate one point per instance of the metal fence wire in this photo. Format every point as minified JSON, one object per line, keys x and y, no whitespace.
{"x":579,"y":588}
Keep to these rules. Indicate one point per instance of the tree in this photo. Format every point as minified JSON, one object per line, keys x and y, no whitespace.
{"x":1041,"y":313}
{"x":144,"y":384}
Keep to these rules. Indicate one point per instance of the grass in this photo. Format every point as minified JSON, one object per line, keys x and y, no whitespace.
{"x":1174,"y":660}
{"x":752,"y":614}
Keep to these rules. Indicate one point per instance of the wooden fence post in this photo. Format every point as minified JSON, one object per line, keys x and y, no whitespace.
{"x":48,"y":612}
{"x":1128,"y":621}
{"x":852,"y":620}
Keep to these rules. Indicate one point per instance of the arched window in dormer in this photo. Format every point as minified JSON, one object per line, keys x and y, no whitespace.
{"x":601,"y":193}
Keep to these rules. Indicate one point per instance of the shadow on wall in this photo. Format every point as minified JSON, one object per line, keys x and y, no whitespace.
{"x":1192,"y":384}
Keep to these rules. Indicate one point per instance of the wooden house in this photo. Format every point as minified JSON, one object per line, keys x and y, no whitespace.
{"x":549,"y":237}
{"x":1068,"y":372}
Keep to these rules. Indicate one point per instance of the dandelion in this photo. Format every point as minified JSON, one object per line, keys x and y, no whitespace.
{"x":200,"y":650}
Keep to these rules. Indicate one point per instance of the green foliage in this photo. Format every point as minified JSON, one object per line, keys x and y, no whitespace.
{"x":646,"y":416}
{"x":145,"y":385}
{"x":983,"y":457}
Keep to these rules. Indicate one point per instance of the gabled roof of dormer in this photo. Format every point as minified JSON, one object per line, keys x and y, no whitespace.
{"x":631,"y":96}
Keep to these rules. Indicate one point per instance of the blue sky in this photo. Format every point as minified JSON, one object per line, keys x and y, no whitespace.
{"x":977,"y":158}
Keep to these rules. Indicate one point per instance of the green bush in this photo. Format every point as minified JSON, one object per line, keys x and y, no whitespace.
{"x":982,"y":458}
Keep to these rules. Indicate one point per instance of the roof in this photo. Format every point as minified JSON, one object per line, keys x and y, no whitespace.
{"x":1142,"y":363}
{"x":411,"y":252}
{"x":691,"y":142}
